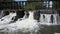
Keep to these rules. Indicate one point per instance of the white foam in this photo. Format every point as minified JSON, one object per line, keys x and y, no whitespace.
{"x":26,"y":25}
{"x":57,"y":33}
{"x":7,"y":19}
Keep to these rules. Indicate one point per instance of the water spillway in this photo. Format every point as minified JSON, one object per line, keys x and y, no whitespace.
{"x":49,"y":18}
{"x":26,"y":25}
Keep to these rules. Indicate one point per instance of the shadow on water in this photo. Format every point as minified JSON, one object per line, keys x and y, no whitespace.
{"x":50,"y":29}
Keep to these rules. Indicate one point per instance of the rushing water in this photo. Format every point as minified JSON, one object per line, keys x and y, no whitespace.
{"x":7,"y":19}
{"x":48,"y":18}
{"x":26,"y":25}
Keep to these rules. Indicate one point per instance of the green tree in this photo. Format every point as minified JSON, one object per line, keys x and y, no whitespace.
{"x":34,"y":5}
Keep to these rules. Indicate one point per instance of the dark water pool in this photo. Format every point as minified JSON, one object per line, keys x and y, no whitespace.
{"x":44,"y":29}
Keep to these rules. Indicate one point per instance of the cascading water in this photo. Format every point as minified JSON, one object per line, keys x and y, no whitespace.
{"x":7,"y":19}
{"x":41,"y":18}
{"x":27,"y":25}
{"x":55,"y":18}
{"x":47,"y":19}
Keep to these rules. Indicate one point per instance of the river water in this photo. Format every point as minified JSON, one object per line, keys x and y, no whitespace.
{"x":28,"y":25}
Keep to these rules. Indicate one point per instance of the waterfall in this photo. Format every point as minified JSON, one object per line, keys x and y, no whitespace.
{"x":6,"y":19}
{"x":31,"y":15}
{"x":26,"y":25}
{"x":45,"y":18}
{"x":55,"y":19}
{"x":41,"y":18}
{"x":48,"y":18}
{"x":26,"y":14}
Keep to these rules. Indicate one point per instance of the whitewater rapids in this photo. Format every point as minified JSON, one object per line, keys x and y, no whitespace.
{"x":7,"y":19}
{"x":26,"y":25}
